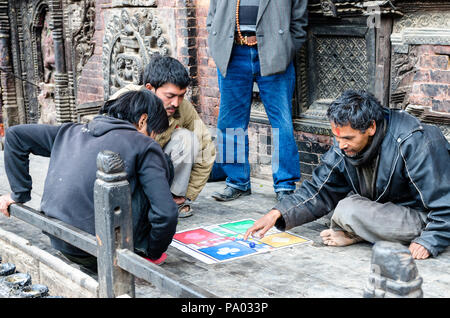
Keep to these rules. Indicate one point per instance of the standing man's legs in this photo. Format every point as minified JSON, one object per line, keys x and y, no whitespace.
{"x":234,"y":116}
{"x":276,"y":93}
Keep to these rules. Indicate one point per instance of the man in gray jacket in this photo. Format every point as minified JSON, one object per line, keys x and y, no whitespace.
{"x":255,"y":41}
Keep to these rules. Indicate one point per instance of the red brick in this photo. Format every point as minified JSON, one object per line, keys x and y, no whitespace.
{"x":434,"y":62}
{"x":440,"y":76}
{"x":422,"y":76}
{"x":419,"y":99}
{"x":441,"y":105}
{"x":433,"y":90}
{"x":442,"y":49}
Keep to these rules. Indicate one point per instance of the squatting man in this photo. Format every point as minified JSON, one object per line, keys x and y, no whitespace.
{"x":187,"y":142}
{"x":386,"y":177}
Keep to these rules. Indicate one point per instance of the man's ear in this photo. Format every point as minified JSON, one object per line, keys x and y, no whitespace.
{"x":142,"y":120}
{"x":149,"y":86}
{"x":372,"y":129}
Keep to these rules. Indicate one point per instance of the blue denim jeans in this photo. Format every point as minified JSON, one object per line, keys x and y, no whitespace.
{"x":276,"y":92}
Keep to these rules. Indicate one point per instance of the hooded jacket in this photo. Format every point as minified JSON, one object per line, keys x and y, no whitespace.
{"x":69,"y":187}
{"x":413,"y":172}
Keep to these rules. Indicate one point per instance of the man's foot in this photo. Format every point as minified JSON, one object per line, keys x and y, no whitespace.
{"x":283,"y":194}
{"x":338,"y":238}
{"x":230,"y":194}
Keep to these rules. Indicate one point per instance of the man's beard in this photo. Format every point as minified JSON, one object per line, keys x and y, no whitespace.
{"x":176,"y":114}
{"x":352,"y":156}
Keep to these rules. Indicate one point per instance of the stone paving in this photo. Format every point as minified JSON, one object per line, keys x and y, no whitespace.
{"x":312,"y":270}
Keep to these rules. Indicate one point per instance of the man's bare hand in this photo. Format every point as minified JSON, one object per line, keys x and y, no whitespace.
{"x":5,"y":202}
{"x":263,"y":224}
{"x":418,"y":251}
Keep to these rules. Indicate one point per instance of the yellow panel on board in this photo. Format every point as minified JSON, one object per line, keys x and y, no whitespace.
{"x":282,"y":239}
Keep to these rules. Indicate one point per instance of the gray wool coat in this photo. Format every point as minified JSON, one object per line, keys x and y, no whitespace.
{"x":280,"y":32}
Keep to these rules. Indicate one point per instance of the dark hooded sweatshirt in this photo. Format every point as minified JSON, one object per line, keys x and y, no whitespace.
{"x":69,"y":187}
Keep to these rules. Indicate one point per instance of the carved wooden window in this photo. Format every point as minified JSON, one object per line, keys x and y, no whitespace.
{"x":335,"y":58}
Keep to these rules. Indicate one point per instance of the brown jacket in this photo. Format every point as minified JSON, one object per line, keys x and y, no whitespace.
{"x":189,"y":119}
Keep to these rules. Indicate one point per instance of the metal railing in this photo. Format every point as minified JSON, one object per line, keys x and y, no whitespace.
{"x":117,"y":264}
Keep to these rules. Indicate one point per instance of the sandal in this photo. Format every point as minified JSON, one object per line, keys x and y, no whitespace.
{"x":182,"y":213}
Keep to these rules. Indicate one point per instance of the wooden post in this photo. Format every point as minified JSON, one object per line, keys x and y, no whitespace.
{"x":113,"y":225}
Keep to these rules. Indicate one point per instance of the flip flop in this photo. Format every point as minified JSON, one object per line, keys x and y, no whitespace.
{"x":181,"y":212}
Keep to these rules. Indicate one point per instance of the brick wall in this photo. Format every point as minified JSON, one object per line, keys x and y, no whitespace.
{"x":207,"y":76}
{"x":90,"y":87}
{"x":431,"y":82}
{"x":311,"y":147}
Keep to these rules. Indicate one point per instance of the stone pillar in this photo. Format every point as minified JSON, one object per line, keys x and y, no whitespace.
{"x":10,"y":114}
{"x":393,"y":273}
{"x":61,"y":79}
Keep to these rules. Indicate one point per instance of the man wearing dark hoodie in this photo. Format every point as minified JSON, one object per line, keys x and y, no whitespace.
{"x":127,"y":126}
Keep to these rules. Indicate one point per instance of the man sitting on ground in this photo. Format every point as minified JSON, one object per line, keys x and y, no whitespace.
{"x":128,"y":128}
{"x":188,"y":141}
{"x":386,"y":177}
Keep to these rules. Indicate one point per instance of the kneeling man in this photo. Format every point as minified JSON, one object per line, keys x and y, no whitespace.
{"x":386,"y":177}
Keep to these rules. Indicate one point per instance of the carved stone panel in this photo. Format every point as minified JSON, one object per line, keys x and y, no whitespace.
{"x":39,"y":60}
{"x":30,"y":29}
{"x":418,"y":39}
{"x":131,"y":37}
{"x":47,"y":85}
{"x":81,"y":24}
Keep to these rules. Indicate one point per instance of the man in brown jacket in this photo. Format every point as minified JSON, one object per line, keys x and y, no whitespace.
{"x":187,"y":141}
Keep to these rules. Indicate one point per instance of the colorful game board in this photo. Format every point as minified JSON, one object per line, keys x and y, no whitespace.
{"x":225,"y":242}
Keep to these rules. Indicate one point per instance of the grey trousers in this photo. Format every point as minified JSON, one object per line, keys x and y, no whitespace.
{"x":182,"y":149}
{"x":373,"y":221}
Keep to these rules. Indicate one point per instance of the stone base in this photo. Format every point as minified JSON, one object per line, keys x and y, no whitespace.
{"x":62,"y":279}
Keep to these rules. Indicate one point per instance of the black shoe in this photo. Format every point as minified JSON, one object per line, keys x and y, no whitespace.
{"x":230,"y":194}
{"x":283,"y":194}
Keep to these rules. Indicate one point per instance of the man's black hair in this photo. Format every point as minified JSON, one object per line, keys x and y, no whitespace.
{"x":355,"y":108}
{"x":131,"y":105}
{"x":165,"y":69}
